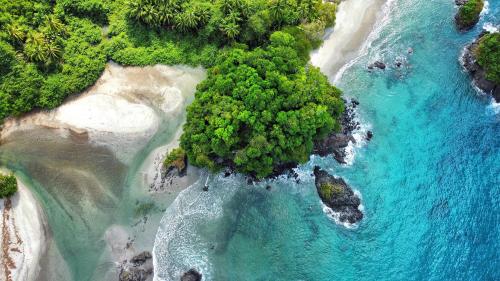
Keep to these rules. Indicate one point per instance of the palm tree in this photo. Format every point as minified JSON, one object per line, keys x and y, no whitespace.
{"x":231,"y":29}
{"x":277,"y":10}
{"x":53,"y":52}
{"x":55,"y":25}
{"x":186,"y":21}
{"x":15,"y":33}
{"x":35,"y":47}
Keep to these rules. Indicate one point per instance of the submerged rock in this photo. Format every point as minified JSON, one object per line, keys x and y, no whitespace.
{"x":337,"y":195}
{"x":477,"y":72}
{"x":139,"y":268}
{"x":377,"y":64}
{"x":191,"y":275}
{"x":369,"y":135}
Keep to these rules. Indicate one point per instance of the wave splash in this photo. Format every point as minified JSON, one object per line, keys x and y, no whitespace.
{"x":179,"y":235}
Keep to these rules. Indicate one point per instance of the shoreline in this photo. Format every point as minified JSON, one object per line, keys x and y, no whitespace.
{"x":73,"y":136}
{"x":25,"y":234}
{"x":356,"y":21}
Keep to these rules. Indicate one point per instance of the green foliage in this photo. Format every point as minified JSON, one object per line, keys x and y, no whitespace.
{"x":8,"y":185}
{"x":7,"y":58}
{"x":262,"y":106}
{"x":328,"y":190}
{"x":176,"y":158}
{"x":96,"y":10}
{"x":488,"y":56}
{"x":241,"y":20}
{"x":468,"y":14}
{"x":260,"y":109}
{"x":52,"y":49}
{"x":46,"y":55}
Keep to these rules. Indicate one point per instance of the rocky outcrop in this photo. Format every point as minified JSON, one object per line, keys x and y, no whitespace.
{"x":138,"y":268}
{"x":336,"y":143}
{"x":477,"y":73}
{"x":338,"y":196}
{"x":467,"y":17}
{"x":191,"y":275}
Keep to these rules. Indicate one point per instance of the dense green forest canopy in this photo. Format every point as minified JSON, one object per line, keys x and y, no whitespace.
{"x":250,"y":22}
{"x":260,"y":109}
{"x":52,"y":49}
{"x":488,"y":56}
{"x":261,"y":106}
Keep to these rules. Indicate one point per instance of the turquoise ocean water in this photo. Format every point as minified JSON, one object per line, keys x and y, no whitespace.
{"x":429,"y":179}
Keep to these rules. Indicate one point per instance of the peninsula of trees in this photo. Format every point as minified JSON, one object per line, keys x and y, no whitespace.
{"x":261,"y":106}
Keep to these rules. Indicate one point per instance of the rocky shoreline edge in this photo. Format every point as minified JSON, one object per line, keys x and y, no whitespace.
{"x":334,"y":144}
{"x":478,"y":74}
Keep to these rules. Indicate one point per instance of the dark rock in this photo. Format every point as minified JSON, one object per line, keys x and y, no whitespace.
{"x":177,"y":168}
{"x":268,"y":187}
{"x":477,"y":73}
{"x":336,"y":143}
{"x":398,"y":64}
{"x":379,"y":64}
{"x":338,"y":196}
{"x":139,"y":268}
{"x":141,"y":258}
{"x":227,"y":174}
{"x":369,"y":135}
{"x":133,"y":274}
{"x":191,"y":275}
{"x":205,"y":188}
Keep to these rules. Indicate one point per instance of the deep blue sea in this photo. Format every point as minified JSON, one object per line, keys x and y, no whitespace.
{"x":429,"y":179}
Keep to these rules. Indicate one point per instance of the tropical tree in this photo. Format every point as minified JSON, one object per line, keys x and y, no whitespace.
{"x":231,"y":29}
{"x":186,"y":21}
{"x":15,"y":33}
{"x":54,"y":26}
{"x":35,"y":47}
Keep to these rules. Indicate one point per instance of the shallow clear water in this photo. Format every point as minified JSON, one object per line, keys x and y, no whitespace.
{"x":429,"y":179}
{"x":95,"y":201}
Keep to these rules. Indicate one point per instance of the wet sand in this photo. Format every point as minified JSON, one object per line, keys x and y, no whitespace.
{"x":355,"y":21}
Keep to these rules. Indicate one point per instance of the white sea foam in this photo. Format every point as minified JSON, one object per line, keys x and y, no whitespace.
{"x":494,"y":107}
{"x":359,"y":135}
{"x":177,"y":236}
{"x":486,"y":8}
{"x":490,"y":27}
{"x":335,"y":216}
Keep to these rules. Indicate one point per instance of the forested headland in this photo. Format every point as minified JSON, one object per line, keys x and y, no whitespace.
{"x":261,"y":106}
